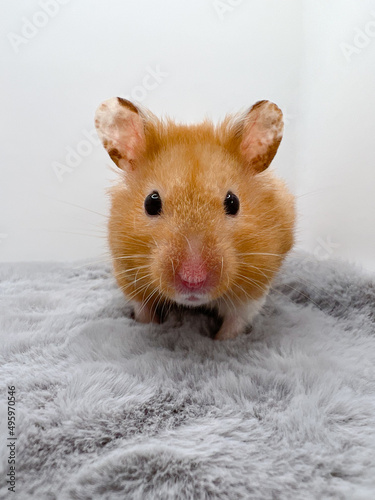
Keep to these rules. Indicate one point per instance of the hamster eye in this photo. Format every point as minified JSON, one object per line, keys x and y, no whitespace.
{"x":153,"y":203}
{"x":231,"y":203}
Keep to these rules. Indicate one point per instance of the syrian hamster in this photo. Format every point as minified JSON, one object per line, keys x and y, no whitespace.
{"x":196,"y":218}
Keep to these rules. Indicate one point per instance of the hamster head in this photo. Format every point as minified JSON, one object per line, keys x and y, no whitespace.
{"x":196,"y":219}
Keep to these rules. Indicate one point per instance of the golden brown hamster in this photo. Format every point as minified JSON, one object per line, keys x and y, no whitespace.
{"x":196,"y":218}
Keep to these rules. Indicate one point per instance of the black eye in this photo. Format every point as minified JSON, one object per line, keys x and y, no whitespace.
{"x":153,"y":203}
{"x":231,"y":204}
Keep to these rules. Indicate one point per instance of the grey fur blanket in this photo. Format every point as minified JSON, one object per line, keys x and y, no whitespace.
{"x":108,"y":408}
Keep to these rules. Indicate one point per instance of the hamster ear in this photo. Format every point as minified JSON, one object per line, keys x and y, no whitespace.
{"x":121,"y":130}
{"x":262,"y":131}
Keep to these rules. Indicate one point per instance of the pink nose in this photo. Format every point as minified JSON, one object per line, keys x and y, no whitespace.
{"x":193,"y":275}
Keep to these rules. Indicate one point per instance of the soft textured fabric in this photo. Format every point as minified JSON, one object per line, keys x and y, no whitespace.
{"x":109,"y":408}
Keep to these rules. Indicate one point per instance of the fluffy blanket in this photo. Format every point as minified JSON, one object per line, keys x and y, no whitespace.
{"x":109,"y":408}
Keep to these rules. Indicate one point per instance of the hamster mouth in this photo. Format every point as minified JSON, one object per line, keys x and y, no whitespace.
{"x":192,"y":299}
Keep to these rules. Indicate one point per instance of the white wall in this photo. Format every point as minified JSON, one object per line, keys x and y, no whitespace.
{"x":213,"y":57}
{"x":336,"y":153}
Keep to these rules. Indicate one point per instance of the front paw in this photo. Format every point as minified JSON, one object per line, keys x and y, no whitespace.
{"x":143,"y":313}
{"x":236,"y":321}
{"x":226,"y":332}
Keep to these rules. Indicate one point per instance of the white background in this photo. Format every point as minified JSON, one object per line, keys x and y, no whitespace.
{"x":313,"y":58}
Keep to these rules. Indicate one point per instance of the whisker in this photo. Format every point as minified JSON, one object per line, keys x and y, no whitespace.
{"x":133,"y":256}
{"x":74,"y":232}
{"x":188,"y":242}
{"x":157,"y":304}
{"x":253,"y":282}
{"x":289,"y":286}
{"x":148,"y":300}
{"x":242,"y":301}
{"x":298,"y":278}
{"x":174,"y":272}
{"x":132,"y":269}
{"x":228,"y":297}
{"x":136,"y":291}
{"x":298,"y":291}
{"x":106,"y":216}
{"x":260,"y":253}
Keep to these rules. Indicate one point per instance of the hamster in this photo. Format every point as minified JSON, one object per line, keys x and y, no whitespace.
{"x":196,"y":218}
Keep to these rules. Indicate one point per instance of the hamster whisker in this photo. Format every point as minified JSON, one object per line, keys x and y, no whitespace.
{"x":231,"y":301}
{"x":133,"y":256}
{"x":284,"y":226}
{"x":269,"y":211}
{"x":303,"y":280}
{"x":269,"y":279}
{"x":148,"y":299}
{"x":224,"y":298}
{"x":142,"y":278}
{"x":253,"y":282}
{"x":106,"y":216}
{"x":157,"y":304}
{"x":228,"y":279}
{"x":132,"y":269}
{"x":165,"y":302}
{"x":310,"y":283}
{"x":174,"y":272}
{"x":268,"y":230}
{"x":136,"y":290}
{"x":135,"y":278}
{"x":244,"y":292}
{"x":264,"y":290}
{"x":187,"y":240}
{"x":289,"y":286}
{"x":295,"y":289}
{"x":94,"y":262}
{"x":75,"y":233}
{"x":126,"y":237}
{"x":260,"y":253}
{"x":168,"y":303}
{"x":316,"y":191}
{"x":298,"y":291}
{"x":134,"y":282}
{"x":273,"y":270}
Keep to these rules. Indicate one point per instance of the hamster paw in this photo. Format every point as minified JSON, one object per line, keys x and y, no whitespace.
{"x":230,"y":329}
{"x":236,"y":321}
{"x":143,"y":313}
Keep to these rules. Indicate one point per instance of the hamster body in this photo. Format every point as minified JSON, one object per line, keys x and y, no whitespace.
{"x":196,"y":218}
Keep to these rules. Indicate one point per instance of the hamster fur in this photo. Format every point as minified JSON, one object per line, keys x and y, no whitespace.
{"x":196,"y":218}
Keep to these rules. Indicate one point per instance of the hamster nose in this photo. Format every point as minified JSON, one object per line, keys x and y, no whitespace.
{"x":193,"y":275}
